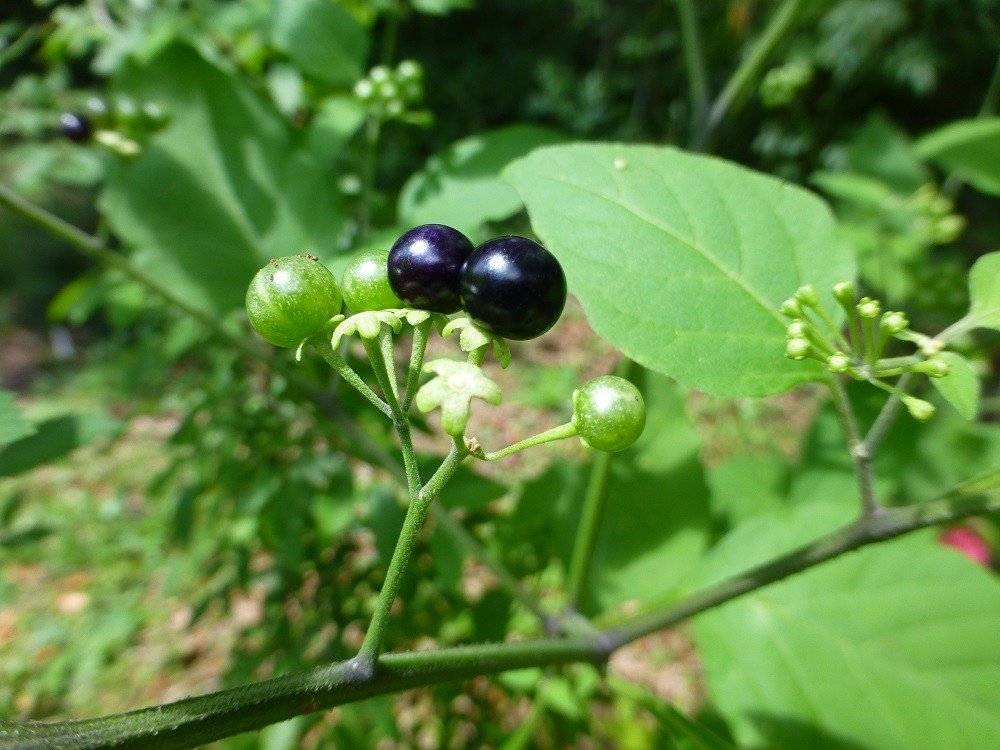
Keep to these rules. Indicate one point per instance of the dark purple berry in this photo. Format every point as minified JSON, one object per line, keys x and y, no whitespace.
{"x":425,"y":264}
{"x":75,"y":126}
{"x":513,"y":287}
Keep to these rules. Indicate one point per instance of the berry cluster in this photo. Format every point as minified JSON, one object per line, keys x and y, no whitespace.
{"x":510,"y":286}
{"x":813,"y":334}
{"x":389,"y":93}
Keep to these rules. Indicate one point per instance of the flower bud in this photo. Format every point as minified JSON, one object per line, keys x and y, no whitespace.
{"x":363,"y":89}
{"x":379,"y":74}
{"x":796,"y":329}
{"x":869,"y":308}
{"x":790,"y":308}
{"x":935,"y":368}
{"x":844,"y":292}
{"x":797,"y":348}
{"x":409,"y":69}
{"x":919,"y":409}
{"x":838,"y":362}
{"x":894,"y":322}
{"x":806,"y":295}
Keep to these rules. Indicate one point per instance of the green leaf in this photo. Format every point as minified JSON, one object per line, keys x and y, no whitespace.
{"x":321,"y":38}
{"x":970,"y":148}
{"x":54,"y":438}
{"x":893,"y":646}
{"x":984,"y":292}
{"x":656,"y":519}
{"x":13,"y":425}
{"x":960,"y":387}
{"x":220,"y":189}
{"x":681,"y":261}
{"x":744,"y":486}
{"x":461,"y":185}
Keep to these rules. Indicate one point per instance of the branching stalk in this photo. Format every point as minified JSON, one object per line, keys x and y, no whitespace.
{"x":860,"y":455}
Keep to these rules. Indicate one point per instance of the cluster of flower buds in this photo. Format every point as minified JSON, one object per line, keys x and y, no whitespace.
{"x":858,"y":353}
{"x":934,"y":220}
{"x":392,"y":94}
{"x":118,"y":126}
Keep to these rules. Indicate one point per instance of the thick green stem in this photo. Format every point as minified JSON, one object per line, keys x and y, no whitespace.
{"x":736,"y":90}
{"x":861,"y":456}
{"x":694,"y":64}
{"x":378,"y":363}
{"x":196,"y":721}
{"x":561,"y":432}
{"x":590,"y":526}
{"x":322,"y":345}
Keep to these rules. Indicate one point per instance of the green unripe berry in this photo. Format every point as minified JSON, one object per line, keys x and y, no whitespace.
{"x":609,"y":413}
{"x":291,"y":298}
{"x":366,"y":284}
{"x":844,"y":292}
{"x":796,"y":329}
{"x":919,"y":409}
{"x":894,"y":322}
{"x":797,"y":348}
{"x":838,"y":362}
{"x":806,"y":295}
{"x":869,"y":308}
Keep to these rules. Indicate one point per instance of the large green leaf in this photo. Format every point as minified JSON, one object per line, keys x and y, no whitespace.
{"x":461,"y":186}
{"x":984,"y":292}
{"x":220,"y":189}
{"x":960,"y":387}
{"x":681,"y":261}
{"x":656,"y":520}
{"x":892,"y":647}
{"x":970,"y":148}
{"x":13,"y":425}
{"x":321,"y":38}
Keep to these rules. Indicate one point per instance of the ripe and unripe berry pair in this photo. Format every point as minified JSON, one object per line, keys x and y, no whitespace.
{"x":510,"y":286}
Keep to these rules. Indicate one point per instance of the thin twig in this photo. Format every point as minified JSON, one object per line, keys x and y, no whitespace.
{"x":860,"y":455}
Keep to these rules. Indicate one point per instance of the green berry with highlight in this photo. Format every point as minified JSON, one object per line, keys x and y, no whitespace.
{"x":609,"y":413}
{"x":366,"y":284}
{"x":292,"y":298}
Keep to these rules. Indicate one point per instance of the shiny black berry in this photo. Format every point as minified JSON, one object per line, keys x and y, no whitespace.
{"x":75,"y":126}
{"x":513,"y":287}
{"x":425,"y":264}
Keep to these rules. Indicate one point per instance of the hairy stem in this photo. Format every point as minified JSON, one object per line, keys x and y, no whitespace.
{"x":860,"y":455}
{"x":195,"y":721}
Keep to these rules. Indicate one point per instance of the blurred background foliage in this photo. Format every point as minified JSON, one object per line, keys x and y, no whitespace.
{"x":174,"y":517}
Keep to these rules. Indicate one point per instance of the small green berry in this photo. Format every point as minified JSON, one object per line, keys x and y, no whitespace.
{"x":366,"y":284}
{"x":609,"y":413}
{"x":291,"y":298}
{"x":797,"y":348}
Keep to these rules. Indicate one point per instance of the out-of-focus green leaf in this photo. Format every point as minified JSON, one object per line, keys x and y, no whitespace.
{"x":656,"y":519}
{"x":881,"y":149}
{"x":960,"y":387}
{"x":220,"y":189}
{"x":970,"y":148}
{"x":682,"y":261}
{"x":984,"y":292}
{"x":321,"y":38}
{"x":744,"y":486}
{"x":54,"y":438}
{"x":893,"y":646}
{"x":13,"y":425}
{"x":461,"y":186}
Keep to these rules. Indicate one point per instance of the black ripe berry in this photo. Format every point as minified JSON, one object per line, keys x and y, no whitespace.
{"x":75,"y":126}
{"x":425,"y":264}
{"x":513,"y":287}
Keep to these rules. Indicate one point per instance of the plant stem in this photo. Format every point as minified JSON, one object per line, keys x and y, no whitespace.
{"x":561,"y":432}
{"x":373,"y":132}
{"x":381,"y":369}
{"x":322,"y":345}
{"x":590,"y":525}
{"x":861,"y":456}
{"x":737,"y":87}
{"x":417,"y":350}
{"x":886,"y":417}
{"x":694,"y":64}
{"x":195,"y":721}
